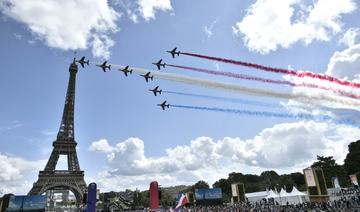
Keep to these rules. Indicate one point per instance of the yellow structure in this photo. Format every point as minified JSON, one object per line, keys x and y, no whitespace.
{"x":238,"y":192}
{"x":316,"y":184}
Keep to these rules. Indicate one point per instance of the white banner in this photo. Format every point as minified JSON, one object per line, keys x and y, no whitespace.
{"x":354,"y":180}
{"x":336,"y":182}
{"x":310,"y":179}
{"x":234,"y":190}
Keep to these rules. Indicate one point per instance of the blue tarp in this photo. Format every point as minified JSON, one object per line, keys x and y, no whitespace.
{"x":204,"y":193}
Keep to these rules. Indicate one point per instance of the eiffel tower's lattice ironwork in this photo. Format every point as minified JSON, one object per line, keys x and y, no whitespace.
{"x":65,"y":144}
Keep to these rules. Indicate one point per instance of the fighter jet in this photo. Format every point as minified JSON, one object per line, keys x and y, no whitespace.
{"x":104,"y":66}
{"x":159,"y":64}
{"x":82,"y":61}
{"x":156,"y":90}
{"x":163,"y":105}
{"x":126,"y":70}
{"x":147,"y":76}
{"x":174,"y":52}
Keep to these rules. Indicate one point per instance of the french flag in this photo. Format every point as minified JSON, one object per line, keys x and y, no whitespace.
{"x":182,"y":201}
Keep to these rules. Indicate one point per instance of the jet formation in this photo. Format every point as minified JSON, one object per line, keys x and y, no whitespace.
{"x":128,"y":71}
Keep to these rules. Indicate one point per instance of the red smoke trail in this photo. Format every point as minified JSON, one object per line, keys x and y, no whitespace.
{"x":260,"y":79}
{"x":279,"y":70}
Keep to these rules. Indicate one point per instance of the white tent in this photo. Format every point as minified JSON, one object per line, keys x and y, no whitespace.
{"x":272,"y":194}
{"x":256,"y":196}
{"x":283,"y":195}
{"x":295,"y":196}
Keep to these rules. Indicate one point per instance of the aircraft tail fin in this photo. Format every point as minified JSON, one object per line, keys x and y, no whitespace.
{"x":160,"y":91}
{"x":130,"y":71}
{"x":109,"y":67}
{"x":87,"y":62}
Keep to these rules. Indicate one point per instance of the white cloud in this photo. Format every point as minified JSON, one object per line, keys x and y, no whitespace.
{"x":101,"y":45}
{"x":284,"y":147}
{"x":270,"y":24}
{"x":148,"y":8}
{"x":101,"y":146}
{"x":18,"y":36}
{"x":132,"y":16}
{"x":345,"y":64}
{"x":67,"y":25}
{"x":349,"y":37}
{"x":208,"y":29}
{"x":15,"y":172}
{"x":217,"y":66}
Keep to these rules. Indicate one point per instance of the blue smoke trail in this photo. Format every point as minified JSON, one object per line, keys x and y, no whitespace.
{"x":232,"y":100}
{"x":272,"y":114}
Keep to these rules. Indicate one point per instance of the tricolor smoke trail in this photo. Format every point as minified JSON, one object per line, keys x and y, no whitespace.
{"x":233,"y":75}
{"x":245,"y":90}
{"x":225,"y":99}
{"x":264,"y":80}
{"x":272,"y":114}
{"x":278,"y":70}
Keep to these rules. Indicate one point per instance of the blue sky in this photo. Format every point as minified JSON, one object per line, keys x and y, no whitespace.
{"x":124,"y":139}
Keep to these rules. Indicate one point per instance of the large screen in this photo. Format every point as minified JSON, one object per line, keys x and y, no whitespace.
{"x":33,"y":202}
{"x":205,"y":193}
{"x":15,"y":203}
{"x":27,"y":203}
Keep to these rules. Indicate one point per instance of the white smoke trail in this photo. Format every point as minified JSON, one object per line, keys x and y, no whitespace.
{"x":301,"y":97}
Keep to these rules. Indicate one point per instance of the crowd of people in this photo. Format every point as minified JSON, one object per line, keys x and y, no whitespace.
{"x":344,"y":204}
{"x":351,"y":203}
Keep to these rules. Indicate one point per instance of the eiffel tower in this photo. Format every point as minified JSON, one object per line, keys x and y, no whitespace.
{"x":65,"y":144}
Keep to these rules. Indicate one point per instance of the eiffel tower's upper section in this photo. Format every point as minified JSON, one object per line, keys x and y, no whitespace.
{"x":66,"y":131}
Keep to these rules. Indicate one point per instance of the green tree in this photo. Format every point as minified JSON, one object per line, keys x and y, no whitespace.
{"x":225,"y":186}
{"x":352,"y":160}
{"x":236,"y":177}
{"x":200,"y":184}
{"x":270,"y":178}
{"x":331,"y":169}
{"x":166,"y":198}
{"x":299,"y":180}
{"x":286,"y":182}
{"x":144,"y":199}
